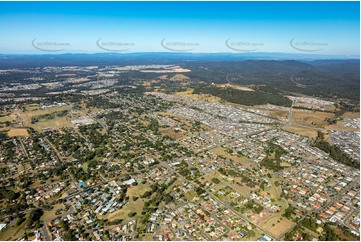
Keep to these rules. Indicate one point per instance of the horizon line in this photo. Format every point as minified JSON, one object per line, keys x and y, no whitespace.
{"x":183,"y":53}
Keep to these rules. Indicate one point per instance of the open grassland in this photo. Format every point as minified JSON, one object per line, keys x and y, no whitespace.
{"x":241,"y":160}
{"x":310,"y":118}
{"x":184,"y":125}
{"x":31,"y":107}
{"x":204,"y":97}
{"x":146,"y":237}
{"x":278,"y":114}
{"x":308,"y":132}
{"x":50,"y":215}
{"x":340,"y":126}
{"x":18,"y":133}
{"x":351,"y":115}
{"x":275,"y":193}
{"x":172,"y":133}
{"x":137,"y":191}
{"x":343,"y":236}
{"x":243,"y":189}
{"x":37,"y":182}
{"x":179,"y":77}
{"x":26,"y":116}
{"x":330,"y":108}
{"x":4,"y":119}
{"x":12,"y":233}
{"x":85,"y":166}
{"x":33,"y":111}
{"x":133,"y":206}
{"x":176,"y":116}
{"x":278,"y":229}
{"x":242,"y":88}
{"x":58,"y":122}
{"x":20,"y":167}
{"x":272,"y":222}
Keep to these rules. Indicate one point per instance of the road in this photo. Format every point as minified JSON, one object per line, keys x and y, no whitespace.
{"x":58,"y":157}
{"x":23,"y":148}
{"x":289,"y":120}
{"x":45,"y":233}
{"x":348,"y":217}
{"x":289,"y":114}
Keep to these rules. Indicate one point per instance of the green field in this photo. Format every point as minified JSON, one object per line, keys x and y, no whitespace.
{"x":6,"y":119}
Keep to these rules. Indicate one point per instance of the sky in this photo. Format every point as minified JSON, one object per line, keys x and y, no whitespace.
{"x":330,"y":28}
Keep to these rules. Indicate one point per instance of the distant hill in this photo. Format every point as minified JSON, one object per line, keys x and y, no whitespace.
{"x":102,"y":59}
{"x":163,"y":77}
{"x":179,"y":77}
{"x":325,"y":78}
{"x":289,"y":73}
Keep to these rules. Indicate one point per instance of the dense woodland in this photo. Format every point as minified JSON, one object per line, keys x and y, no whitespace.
{"x":261,"y":95}
{"x":334,"y":151}
{"x":324,"y":78}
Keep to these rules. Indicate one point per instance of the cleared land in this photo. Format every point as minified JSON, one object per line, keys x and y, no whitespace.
{"x":243,"y":190}
{"x":330,"y":108}
{"x":6,"y":119}
{"x":12,"y":232}
{"x":172,"y":133}
{"x":241,"y":160}
{"x":49,"y":215}
{"x":204,"y":97}
{"x":31,"y":107}
{"x":278,"y":114}
{"x":310,"y":118}
{"x":273,"y":223}
{"x":242,"y":88}
{"x":133,"y":206}
{"x":308,"y":132}
{"x":280,"y":228}
{"x":185,"y":124}
{"x":18,"y":133}
{"x":351,"y":115}
{"x":179,"y":77}
{"x":275,"y":192}
{"x":26,"y":116}
{"x":340,"y":126}
{"x":146,"y":237}
{"x":33,"y":110}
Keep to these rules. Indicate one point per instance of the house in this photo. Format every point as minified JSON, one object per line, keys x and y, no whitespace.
{"x":82,"y":184}
{"x":265,"y":238}
{"x":2,"y":226}
{"x":130,"y":182}
{"x":37,"y":235}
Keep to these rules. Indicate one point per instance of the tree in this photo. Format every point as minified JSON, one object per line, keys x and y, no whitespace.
{"x":215,"y":180}
{"x":251,"y":234}
{"x":34,"y":216}
{"x":334,"y":151}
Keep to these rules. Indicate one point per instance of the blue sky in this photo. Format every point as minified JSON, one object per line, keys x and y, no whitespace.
{"x":330,"y":28}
